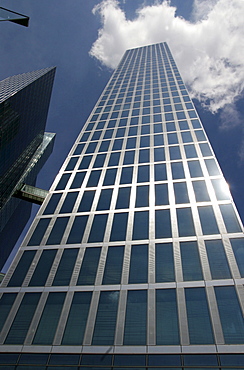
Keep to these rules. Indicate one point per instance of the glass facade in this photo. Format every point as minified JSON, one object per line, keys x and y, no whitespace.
{"x":138,"y":247}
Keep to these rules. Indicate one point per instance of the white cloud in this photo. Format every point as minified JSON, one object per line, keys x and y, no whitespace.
{"x":208,"y":51}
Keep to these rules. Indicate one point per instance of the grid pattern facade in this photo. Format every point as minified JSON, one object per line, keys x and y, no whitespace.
{"x":139,"y":247}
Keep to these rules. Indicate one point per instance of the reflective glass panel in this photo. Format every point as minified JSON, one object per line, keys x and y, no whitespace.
{"x":190,"y":259}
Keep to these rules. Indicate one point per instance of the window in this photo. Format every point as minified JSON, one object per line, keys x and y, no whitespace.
{"x":208,"y":220}
{"x":142,"y":196}
{"x":78,"y":180}
{"x":230,"y":219}
{"x":52,"y":204}
{"x":57,"y":231}
{"x":185,"y":222}
{"x":39,"y":232}
{"x":89,"y":266}
{"x":94,"y":178}
{"x":191,"y":264}
{"x":114,"y":264}
{"x":238,"y":249}
{"x":126,"y":175}
{"x":110,"y":176}
{"x":160,"y":173}
{"x":164,"y":263}
{"x":162,"y":224}
{"x":138,"y":264}
{"x":114,"y":159}
{"x":98,"y":228}
{"x":77,"y":230}
{"x":195,"y":169}
{"x":22,"y":268}
{"x":69,"y":202}
{"x":86,"y":201}
{"x":65,"y":268}
{"x":181,"y":193}
{"x":104,"y":199}
{"x":177,"y":170}
{"x":119,"y":226}
{"x":141,"y":225}
{"x":143,"y":174}
{"x":43,"y":267}
{"x":217,"y":259}
{"x":200,"y":190}
{"x":123,"y":199}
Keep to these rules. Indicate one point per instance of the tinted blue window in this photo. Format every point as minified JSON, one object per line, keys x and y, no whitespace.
{"x":142,"y":196}
{"x":162,"y":224}
{"x":167,"y":328}
{"x":119,"y":226}
{"x":138,"y":264}
{"x":157,"y":127}
{"x":195,"y":169}
{"x":221,"y":189}
{"x":205,"y":149}
{"x":232,"y":360}
{"x":143,"y":174}
{"x":141,"y":225}
{"x":76,"y":322}
{"x":105,"y":325}
{"x":200,"y":190}
{"x":164,"y":263}
{"x":217,"y":259}
{"x":191,"y":264}
{"x":135,"y":330}
{"x":212,"y":167}
{"x":22,"y":320}
{"x":159,"y":154}
{"x":144,"y":155}
{"x":43,"y":267}
{"x":110,"y":176}
{"x":114,"y":159}
{"x":170,"y":126}
{"x":94,"y":178}
{"x":129,"y":157}
{"x":230,"y":219}
{"x":71,"y":165}
{"x":126,"y":175}
{"x":129,"y":360}
{"x":96,"y":135}
{"x":100,"y":158}
{"x":114,"y":265}
{"x":199,"y":323}
{"x":63,"y":181}
{"x":39,"y":231}
{"x":145,"y":129}
{"x":190,"y":151}
{"x":158,"y":140}
{"x":183,"y":125}
{"x":161,"y":194}
{"x":49,"y":319}
{"x":104,"y":199}
{"x":208,"y":220}
{"x":117,"y":144}
{"x":65,"y":268}
{"x":52,"y":204}
{"x":230,"y":313}
{"x":177,"y":170}
{"x":133,"y":131}
{"x":104,"y":146}
{"x":22,"y":268}
{"x":164,"y":360}
{"x":98,"y":228}
{"x":198,"y":360}
{"x":181,"y":192}
{"x":185,"y":222}
{"x":238,"y":249}
{"x":131,"y":143}
{"x":160,"y":173}
{"x":57,"y":230}
{"x":186,"y":137}
{"x":108,"y":134}
{"x":120,"y":132}
{"x":200,"y":135}
{"x":78,"y":149}
{"x":172,"y":138}
{"x":89,"y":266}
{"x":174,"y":152}
{"x":69,"y":202}
{"x":86,"y":201}
{"x":78,"y":180}
{"x":91,"y":147}
{"x":77,"y":230}
{"x":85,"y":162}
{"x":123,"y":199}
{"x":145,"y":141}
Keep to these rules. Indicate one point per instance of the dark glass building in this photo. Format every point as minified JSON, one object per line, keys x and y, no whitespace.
{"x":135,"y":259}
{"x":24,"y":147}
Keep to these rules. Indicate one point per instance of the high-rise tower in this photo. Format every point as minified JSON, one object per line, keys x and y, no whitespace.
{"x":136,"y":257}
{"x":24,"y":147}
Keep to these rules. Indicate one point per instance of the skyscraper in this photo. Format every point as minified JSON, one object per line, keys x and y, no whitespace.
{"x":136,"y":256}
{"x":24,"y":147}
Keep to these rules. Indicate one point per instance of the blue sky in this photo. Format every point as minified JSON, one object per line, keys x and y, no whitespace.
{"x":86,"y":38}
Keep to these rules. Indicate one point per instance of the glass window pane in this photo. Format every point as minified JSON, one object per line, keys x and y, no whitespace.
{"x":65,"y":268}
{"x":162,"y":224}
{"x":200,"y":190}
{"x":69,"y":202}
{"x":23,"y":318}
{"x":238,"y":249}
{"x":164,"y":263}
{"x":185,"y":222}
{"x":138,"y":264}
{"x":181,"y":193}
{"x":141,"y":225}
{"x":129,"y":157}
{"x":114,"y":159}
{"x":177,"y":170}
{"x":174,"y":152}
{"x":164,"y":360}
{"x":98,"y":228}
{"x":114,"y":265}
{"x":57,"y":230}
{"x":100,"y":158}
{"x":105,"y":199}
{"x":212,"y":167}
{"x":135,"y":331}
{"x":126,"y":175}
{"x":119,"y":227}
{"x":159,"y":154}
{"x":77,"y":230}
{"x":160,"y":173}
{"x":123,"y":199}
{"x":208,"y":220}
{"x":167,"y":328}
{"x":78,"y":180}
{"x":190,"y":151}
{"x":94,"y":178}
{"x":43,"y":267}
{"x":49,"y":318}
{"x":52,"y":204}
{"x":190,"y":259}
{"x":217,"y":259}
{"x":198,"y":360}
{"x":6,"y":302}
{"x":63,"y":181}
{"x":22,"y":268}
{"x":231,"y":316}
{"x":161,"y":194}
{"x":221,"y":189}
{"x":106,"y":318}
{"x":199,"y":323}
{"x":89,"y":266}
{"x":39,"y":232}
{"x":84,"y":162}
{"x":205,"y":149}
{"x":144,"y":155}
{"x":142,"y":196}
{"x":110,"y":176}
{"x":143,"y":174}
{"x":230,"y":219}
{"x":195,"y":169}
{"x":71,"y":164}
{"x":86,"y":201}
